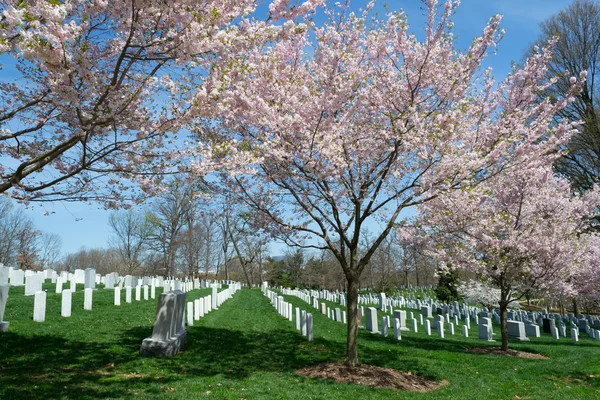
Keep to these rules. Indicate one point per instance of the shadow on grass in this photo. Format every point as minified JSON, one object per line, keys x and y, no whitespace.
{"x":44,"y":367}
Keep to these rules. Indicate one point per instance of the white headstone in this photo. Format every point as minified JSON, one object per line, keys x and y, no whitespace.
{"x":197,"y":303}
{"x":372,"y":320}
{"x":59,"y":285}
{"x":90,"y":278}
{"x":384,"y":325}
{"x":190,"y":313}
{"x":298,"y":325}
{"x":3,"y":300}
{"x":87,"y":298}
{"x":117,"y":290}
{"x":214,"y":296}
{"x":39,"y":307}
{"x":67,"y":302}
{"x":33,"y":284}
{"x":127,"y":294}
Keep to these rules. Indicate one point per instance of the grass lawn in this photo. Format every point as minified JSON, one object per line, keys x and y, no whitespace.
{"x":245,"y":350}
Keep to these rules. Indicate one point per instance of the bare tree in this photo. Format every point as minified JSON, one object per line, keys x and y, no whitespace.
{"x":167,"y":217}
{"x":131,"y":233}
{"x":50,"y":245}
{"x":577,"y":49}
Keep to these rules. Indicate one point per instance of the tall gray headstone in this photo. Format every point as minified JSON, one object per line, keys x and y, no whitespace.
{"x":168,"y":334}
{"x":372,"y":320}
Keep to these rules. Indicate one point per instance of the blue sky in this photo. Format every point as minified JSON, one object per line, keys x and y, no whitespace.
{"x":85,"y":225}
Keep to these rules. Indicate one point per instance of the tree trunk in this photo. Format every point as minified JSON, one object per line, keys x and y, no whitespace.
{"x":352,"y":307}
{"x":575,"y":308}
{"x":504,"y":325}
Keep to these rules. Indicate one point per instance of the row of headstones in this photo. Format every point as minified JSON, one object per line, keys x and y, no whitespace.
{"x":200,"y":307}
{"x":304,"y":320}
{"x":39,"y":306}
{"x":168,"y":332}
{"x":520,"y":323}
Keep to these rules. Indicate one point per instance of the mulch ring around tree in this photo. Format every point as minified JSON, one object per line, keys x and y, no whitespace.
{"x":369,"y":375}
{"x":509,"y":353}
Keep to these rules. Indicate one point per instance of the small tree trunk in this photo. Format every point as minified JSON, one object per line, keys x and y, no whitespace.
{"x":504,"y":325}
{"x":352,"y":342}
{"x":575,"y":308}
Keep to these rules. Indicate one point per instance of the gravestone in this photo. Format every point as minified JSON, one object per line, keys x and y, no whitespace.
{"x":33,"y":284}
{"x":59,"y":285}
{"x":384,"y":326}
{"x":309,"y":327}
{"x":548,"y":325}
{"x":303,"y":328}
{"x":168,"y":334}
{"x":382,"y":302}
{"x":90,"y":278}
{"x":127,"y":294}
{"x":298,"y":327}
{"x":117,"y":290}
{"x":3,"y":299}
{"x":516,"y":330}
{"x":39,"y":307}
{"x":214,"y":296}
{"x":190,"y":313}
{"x":426,"y":312}
{"x":397,"y":334}
{"x":415,"y":325}
{"x":67,"y":299}
{"x":79,"y":276}
{"x":440,"y":328}
{"x":465,"y":331}
{"x":485,"y":329}
{"x":372,"y":320}
{"x":532,"y":330}
{"x":87,"y":299}
{"x":4,"y":272}
{"x":197,"y":304}
{"x":428,"y":327}
{"x":401,"y":316}
{"x":109,"y":281}
{"x":575,"y":335}
{"x":17,"y":277}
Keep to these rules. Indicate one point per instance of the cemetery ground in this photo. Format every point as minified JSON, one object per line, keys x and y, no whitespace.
{"x":245,"y":350}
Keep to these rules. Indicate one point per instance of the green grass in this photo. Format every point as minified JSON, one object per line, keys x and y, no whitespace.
{"x":246,"y":350}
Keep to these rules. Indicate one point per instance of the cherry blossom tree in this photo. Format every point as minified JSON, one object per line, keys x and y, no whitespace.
{"x":519,"y":231}
{"x":483,"y":293}
{"x":103,"y":87}
{"x":350,"y":123}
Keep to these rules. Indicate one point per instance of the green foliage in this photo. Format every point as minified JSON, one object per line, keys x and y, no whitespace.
{"x":447,"y":288}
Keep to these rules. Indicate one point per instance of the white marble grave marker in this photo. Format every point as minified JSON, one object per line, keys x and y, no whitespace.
{"x":67,"y":301}
{"x":87,"y":299}
{"x":39,"y":307}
